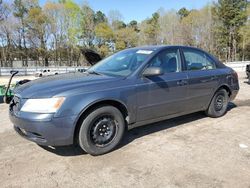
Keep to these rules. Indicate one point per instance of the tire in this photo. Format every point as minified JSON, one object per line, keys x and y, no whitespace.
{"x":40,"y":75}
{"x":102,"y":130}
{"x":218,"y":105}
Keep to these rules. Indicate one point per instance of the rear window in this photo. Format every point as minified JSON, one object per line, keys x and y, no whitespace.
{"x":197,"y":60}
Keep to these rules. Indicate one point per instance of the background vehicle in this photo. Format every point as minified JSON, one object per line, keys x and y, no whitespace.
{"x":82,"y":69}
{"x":131,"y":88}
{"x":45,"y":72}
{"x":248,"y":71}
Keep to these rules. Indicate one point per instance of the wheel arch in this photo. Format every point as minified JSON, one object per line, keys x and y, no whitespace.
{"x":94,"y":105}
{"x":224,"y":86}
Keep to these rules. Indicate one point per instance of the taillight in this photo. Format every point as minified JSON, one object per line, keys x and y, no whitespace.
{"x":235,"y":75}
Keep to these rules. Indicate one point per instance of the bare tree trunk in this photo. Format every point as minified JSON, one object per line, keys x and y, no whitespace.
{"x":243,"y":48}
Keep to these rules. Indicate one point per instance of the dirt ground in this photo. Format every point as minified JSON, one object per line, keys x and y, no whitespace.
{"x":189,"y":151}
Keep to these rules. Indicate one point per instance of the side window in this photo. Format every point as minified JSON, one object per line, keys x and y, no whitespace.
{"x":197,"y":60}
{"x":168,"y":60}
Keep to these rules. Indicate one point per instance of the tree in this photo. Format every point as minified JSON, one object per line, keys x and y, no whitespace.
{"x":118,"y":25}
{"x":104,"y":37}
{"x":100,"y":17}
{"x":149,"y":30}
{"x":133,"y":24}
{"x":57,"y":32}
{"x":88,"y":26}
{"x":37,"y":23}
{"x":6,"y":35}
{"x":56,"y":14}
{"x":183,"y":12}
{"x":3,"y":8}
{"x":104,"y":33}
{"x":170,"y":28}
{"x":245,"y":36}
{"x":231,"y":15}
{"x":21,"y":9}
{"x":197,"y":28}
{"x":125,"y":38}
{"x":72,"y":26}
{"x":114,"y":16}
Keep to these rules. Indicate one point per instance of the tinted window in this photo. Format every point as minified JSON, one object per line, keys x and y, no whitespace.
{"x":168,"y":60}
{"x":197,"y":60}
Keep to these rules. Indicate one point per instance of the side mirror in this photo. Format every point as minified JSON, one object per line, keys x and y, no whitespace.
{"x":153,"y":71}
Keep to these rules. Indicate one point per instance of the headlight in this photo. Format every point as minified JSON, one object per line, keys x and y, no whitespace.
{"x":49,"y":105}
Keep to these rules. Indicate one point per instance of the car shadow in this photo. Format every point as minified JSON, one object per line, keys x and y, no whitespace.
{"x":247,"y":82}
{"x":66,"y":151}
{"x":136,"y":133}
{"x":231,"y":105}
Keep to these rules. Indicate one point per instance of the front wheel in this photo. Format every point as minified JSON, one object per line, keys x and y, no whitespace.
{"x":218,"y":105}
{"x":102,"y":130}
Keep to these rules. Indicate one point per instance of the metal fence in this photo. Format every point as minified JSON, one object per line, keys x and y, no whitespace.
{"x":238,"y":66}
{"x":5,"y":71}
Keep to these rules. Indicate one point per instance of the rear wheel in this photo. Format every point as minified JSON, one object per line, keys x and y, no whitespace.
{"x":218,"y":105}
{"x":102,"y":130}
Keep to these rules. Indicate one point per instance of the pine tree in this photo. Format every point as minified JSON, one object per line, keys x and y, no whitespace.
{"x":231,"y":15}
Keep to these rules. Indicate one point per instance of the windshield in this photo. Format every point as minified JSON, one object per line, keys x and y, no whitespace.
{"x":122,"y":63}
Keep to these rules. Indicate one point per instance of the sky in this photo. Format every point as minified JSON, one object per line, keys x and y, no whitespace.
{"x":140,"y":9}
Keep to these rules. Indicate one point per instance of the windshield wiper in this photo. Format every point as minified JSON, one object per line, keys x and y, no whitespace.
{"x":93,"y":72}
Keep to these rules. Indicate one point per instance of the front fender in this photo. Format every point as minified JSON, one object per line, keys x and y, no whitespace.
{"x":78,"y":104}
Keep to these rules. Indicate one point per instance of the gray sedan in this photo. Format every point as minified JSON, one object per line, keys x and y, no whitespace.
{"x":131,"y":88}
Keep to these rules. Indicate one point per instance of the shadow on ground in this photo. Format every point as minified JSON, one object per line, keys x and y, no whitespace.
{"x":135,"y":133}
{"x":247,"y":82}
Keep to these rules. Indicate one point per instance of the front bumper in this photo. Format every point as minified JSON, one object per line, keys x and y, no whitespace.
{"x":44,"y":129}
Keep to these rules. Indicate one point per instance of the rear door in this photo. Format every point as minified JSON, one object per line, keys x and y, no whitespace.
{"x":160,"y":96}
{"x":203,"y":78}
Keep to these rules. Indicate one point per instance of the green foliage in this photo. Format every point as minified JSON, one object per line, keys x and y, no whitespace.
{"x":100,"y":17}
{"x":183,"y":12}
{"x":231,"y":15}
{"x":133,"y":24}
{"x":19,"y":9}
{"x":104,"y":32}
{"x":125,"y":37}
{"x":87,"y":25}
{"x":58,"y":30}
{"x":72,"y":14}
{"x":150,"y":29}
{"x":245,"y":36}
{"x":118,"y":25}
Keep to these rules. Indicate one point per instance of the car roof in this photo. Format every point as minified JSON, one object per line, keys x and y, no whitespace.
{"x":159,"y":47}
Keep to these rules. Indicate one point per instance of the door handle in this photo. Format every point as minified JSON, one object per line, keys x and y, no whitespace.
{"x":210,"y":79}
{"x":214,"y":78}
{"x":181,"y":82}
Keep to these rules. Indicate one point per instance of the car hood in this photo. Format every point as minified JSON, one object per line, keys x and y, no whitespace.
{"x":91,"y":56}
{"x":62,"y":84}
